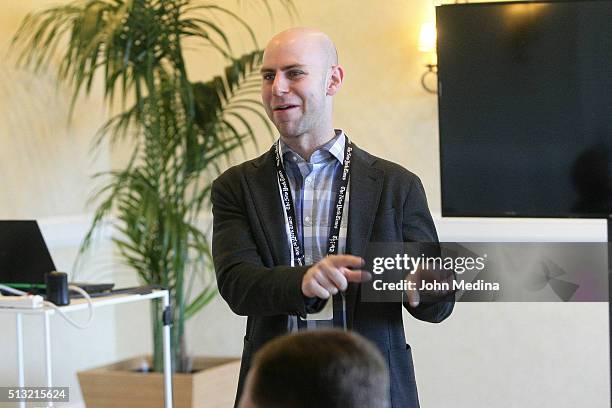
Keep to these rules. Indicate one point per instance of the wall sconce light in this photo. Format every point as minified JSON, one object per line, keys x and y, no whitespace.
{"x":427,"y":45}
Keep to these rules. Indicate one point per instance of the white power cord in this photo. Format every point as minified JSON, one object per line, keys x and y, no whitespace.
{"x":69,"y":320}
{"x":57,"y":308}
{"x":12,"y":290}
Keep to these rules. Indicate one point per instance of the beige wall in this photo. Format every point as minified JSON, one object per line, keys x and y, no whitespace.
{"x":45,"y":164}
{"x":381,"y":105}
{"x":45,"y":168}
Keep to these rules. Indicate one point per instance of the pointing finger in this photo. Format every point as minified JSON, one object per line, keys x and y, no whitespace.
{"x":350,"y":261}
{"x":356,"y":275}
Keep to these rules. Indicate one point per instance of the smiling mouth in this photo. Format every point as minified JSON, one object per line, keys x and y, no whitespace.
{"x":284,"y":107}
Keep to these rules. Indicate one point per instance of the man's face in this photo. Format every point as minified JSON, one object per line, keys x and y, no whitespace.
{"x":293,"y":91}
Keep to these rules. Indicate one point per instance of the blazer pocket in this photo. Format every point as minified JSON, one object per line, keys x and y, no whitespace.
{"x":401,"y":369}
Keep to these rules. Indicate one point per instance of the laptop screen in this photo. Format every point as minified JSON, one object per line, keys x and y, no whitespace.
{"x":24,"y":256}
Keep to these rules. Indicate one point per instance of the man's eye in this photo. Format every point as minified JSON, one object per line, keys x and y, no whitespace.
{"x":294,"y":74}
{"x":268,"y":77}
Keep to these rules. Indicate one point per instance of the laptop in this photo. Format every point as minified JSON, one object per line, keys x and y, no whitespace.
{"x":25,"y":258}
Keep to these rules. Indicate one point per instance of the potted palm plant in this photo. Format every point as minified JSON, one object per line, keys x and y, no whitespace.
{"x":178,"y":130}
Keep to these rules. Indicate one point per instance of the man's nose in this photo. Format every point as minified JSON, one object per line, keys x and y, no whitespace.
{"x":280,"y":85}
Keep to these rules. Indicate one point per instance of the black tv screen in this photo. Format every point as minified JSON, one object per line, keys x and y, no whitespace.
{"x":525,"y":108}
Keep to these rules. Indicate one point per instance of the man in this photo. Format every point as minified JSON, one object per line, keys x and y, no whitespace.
{"x":285,"y":223}
{"x":327,"y":368}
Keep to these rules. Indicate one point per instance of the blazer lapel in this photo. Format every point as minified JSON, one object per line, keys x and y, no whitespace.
{"x":366,"y":184}
{"x":263,"y":184}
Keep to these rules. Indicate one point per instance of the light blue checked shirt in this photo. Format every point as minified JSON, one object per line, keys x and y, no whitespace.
{"x":313,"y":188}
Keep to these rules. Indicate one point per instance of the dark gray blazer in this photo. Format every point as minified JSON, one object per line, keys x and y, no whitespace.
{"x":251,"y":256}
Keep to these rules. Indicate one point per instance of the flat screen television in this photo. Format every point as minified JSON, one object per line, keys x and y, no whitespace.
{"x":525,"y":108}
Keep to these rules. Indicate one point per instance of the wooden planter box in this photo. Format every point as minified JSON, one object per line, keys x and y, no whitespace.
{"x":212,"y":385}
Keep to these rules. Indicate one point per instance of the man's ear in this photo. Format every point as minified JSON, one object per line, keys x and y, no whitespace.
{"x":335,"y":80}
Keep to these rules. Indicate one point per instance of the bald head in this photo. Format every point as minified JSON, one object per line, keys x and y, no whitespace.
{"x":300,"y":76}
{"x":316,"y":41}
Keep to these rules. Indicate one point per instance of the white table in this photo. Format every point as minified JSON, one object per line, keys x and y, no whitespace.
{"x":81,"y":304}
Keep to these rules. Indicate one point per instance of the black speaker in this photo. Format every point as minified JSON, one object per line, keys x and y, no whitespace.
{"x":57,"y":288}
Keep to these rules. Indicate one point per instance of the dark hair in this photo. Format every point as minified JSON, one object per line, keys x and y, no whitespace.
{"x":325,"y":368}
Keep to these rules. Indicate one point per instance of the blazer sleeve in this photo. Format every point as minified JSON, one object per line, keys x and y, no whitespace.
{"x":418,"y":226}
{"x":247,"y":285}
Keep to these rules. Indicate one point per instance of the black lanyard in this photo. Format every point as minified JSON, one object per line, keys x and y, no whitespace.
{"x":334,"y":233}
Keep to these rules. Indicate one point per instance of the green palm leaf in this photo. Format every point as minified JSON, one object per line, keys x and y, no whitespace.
{"x":179,"y":130}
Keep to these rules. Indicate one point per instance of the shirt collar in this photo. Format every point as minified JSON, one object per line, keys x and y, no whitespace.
{"x":335,"y":148}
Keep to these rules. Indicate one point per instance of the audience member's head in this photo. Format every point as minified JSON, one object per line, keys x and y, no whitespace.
{"x":325,"y":368}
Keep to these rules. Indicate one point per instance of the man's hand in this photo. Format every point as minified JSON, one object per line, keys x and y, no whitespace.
{"x":332,"y":274}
